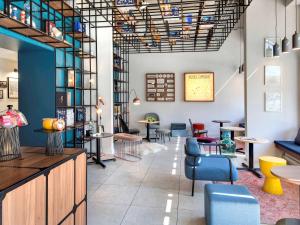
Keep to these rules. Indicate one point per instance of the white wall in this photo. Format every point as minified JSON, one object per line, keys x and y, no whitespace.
{"x":105,"y":82}
{"x":283,"y":125}
{"x":6,"y":70}
{"x":228,"y":86}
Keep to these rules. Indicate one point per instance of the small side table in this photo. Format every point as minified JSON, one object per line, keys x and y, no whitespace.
{"x":148,"y":127}
{"x":289,"y":174}
{"x":251,"y":141}
{"x":221,"y":122}
{"x":99,"y":158}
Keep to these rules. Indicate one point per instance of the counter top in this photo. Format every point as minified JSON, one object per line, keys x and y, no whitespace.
{"x":33,"y":161}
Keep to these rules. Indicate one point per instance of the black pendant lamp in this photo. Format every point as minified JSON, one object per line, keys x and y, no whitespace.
{"x":276,"y":48}
{"x":296,"y":37}
{"x":285,"y":44}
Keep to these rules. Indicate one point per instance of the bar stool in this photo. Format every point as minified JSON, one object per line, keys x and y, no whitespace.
{"x":129,"y":149}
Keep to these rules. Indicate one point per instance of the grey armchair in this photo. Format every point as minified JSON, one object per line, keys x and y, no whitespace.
{"x":199,"y":166}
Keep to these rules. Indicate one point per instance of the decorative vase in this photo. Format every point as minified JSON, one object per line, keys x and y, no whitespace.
{"x":9,"y":143}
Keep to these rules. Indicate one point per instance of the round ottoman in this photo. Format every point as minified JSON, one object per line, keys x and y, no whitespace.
{"x":272,"y":184}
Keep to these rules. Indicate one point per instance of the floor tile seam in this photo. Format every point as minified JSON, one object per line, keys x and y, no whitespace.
{"x":139,"y":187}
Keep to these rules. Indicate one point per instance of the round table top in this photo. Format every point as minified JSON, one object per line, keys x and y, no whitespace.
{"x":233,"y":128}
{"x":102,"y":135}
{"x":252,"y":140}
{"x":288,"y":173}
{"x":146,"y":121}
{"x":221,"y":121}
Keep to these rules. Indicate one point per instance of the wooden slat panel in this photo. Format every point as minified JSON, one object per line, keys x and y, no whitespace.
{"x":69,"y":220}
{"x":26,"y":205}
{"x":60,"y":192}
{"x":80,"y":178}
{"x":80,"y":215}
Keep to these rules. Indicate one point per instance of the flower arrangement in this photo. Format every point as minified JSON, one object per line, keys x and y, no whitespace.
{"x":12,"y":118}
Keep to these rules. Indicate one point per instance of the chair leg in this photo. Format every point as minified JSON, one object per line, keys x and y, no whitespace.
{"x":193,"y":187}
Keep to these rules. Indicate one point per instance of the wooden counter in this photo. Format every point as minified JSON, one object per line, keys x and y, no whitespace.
{"x":43,"y":190}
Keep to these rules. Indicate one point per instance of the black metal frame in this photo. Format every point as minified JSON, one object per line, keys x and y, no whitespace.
{"x":151,"y":26}
{"x":120,"y":81}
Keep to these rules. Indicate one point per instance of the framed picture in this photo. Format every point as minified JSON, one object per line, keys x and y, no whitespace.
{"x":13,"y":90}
{"x":273,"y":101}
{"x":272,"y":76}
{"x":1,"y":94}
{"x":3,"y":84}
{"x":199,"y":87}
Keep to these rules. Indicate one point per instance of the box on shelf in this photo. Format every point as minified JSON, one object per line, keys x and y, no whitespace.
{"x":61,"y":99}
{"x":67,"y":115}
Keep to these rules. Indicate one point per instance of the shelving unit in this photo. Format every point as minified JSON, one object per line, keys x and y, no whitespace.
{"x":121,"y":82}
{"x":81,"y":60}
{"x":76,"y":84}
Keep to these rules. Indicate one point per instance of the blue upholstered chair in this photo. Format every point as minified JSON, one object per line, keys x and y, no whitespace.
{"x":199,"y":166}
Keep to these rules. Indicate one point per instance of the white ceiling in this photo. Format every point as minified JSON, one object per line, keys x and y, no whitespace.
{"x":8,"y":54}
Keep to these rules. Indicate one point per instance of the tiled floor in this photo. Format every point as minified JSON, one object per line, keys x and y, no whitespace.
{"x":153,"y":191}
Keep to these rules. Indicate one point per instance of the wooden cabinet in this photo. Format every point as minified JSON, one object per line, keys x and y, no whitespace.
{"x":35,"y":194}
{"x":26,"y":204}
{"x":60,"y":192}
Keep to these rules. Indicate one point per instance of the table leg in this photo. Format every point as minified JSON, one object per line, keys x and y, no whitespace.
{"x":250,"y":167}
{"x":148,"y":132}
{"x":232,"y":135}
{"x":221,"y":125}
{"x":97,"y":159}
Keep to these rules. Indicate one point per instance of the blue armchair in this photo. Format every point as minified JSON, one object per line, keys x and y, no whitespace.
{"x":199,"y":166}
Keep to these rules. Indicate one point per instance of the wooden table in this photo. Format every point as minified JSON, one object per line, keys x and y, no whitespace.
{"x":289,"y":174}
{"x":148,"y":127}
{"x":221,"y":122}
{"x":251,"y":141}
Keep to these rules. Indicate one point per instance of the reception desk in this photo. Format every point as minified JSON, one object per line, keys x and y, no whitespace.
{"x":43,"y":190}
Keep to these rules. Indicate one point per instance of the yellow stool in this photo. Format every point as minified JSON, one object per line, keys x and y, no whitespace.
{"x":272,"y":184}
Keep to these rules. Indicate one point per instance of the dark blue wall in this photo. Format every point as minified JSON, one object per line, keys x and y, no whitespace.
{"x":36,"y":92}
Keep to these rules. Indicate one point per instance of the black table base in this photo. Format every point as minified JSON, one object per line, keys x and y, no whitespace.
{"x":250,"y":167}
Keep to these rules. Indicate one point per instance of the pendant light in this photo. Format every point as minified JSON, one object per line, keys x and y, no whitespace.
{"x":285,"y":42}
{"x":296,"y":37}
{"x":276,"y":50}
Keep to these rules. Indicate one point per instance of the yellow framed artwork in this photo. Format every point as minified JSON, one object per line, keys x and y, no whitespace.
{"x":199,"y":87}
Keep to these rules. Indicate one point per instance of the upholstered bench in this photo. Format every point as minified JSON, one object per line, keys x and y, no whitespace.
{"x":230,"y":205}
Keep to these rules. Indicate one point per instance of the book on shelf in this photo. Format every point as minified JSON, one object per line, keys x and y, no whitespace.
{"x":67,"y":115}
{"x":61,"y":99}
{"x":80,"y":114}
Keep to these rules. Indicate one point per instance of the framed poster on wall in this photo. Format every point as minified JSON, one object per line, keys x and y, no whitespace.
{"x":199,"y":87}
{"x":12,"y":90}
{"x":160,"y":87}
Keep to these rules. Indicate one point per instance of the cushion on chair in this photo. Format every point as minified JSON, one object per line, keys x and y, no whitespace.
{"x":192,"y":147}
{"x":205,"y":139}
{"x":153,"y":126}
{"x":211,"y":169}
{"x":289,"y":145}
{"x":230,"y":205}
{"x":297,"y":138}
